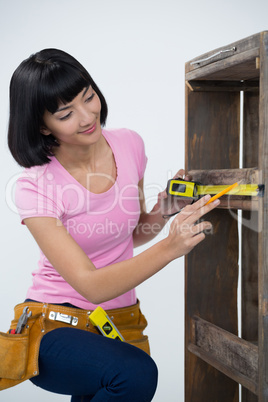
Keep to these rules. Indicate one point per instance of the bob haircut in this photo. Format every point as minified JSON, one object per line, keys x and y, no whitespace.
{"x":40,"y":83}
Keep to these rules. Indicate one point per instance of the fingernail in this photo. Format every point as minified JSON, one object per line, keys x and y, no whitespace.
{"x":216,"y":202}
{"x":207,"y":197}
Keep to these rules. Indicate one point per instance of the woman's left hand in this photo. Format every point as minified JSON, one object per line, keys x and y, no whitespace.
{"x":169,"y":205}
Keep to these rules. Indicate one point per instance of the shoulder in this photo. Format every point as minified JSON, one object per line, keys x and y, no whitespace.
{"x":124,"y":137}
{"x":36,"y":176}
{"x":35,"y":195}
{"x":32,"y":175}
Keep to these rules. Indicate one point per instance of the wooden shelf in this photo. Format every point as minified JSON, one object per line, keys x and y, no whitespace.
{"x":236,"y":61}
{"x":225,"y":86}
{"x":233,"y":356}
{"x":228,"y":177}
{"x":216,"y":359}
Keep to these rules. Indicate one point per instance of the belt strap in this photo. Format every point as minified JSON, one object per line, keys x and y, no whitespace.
{"x":56,"y":316}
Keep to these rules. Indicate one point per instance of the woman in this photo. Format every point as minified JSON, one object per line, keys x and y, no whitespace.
{"x":81,"y":197}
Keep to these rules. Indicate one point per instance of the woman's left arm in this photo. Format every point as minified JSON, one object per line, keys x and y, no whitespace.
{"x":151,"y":223}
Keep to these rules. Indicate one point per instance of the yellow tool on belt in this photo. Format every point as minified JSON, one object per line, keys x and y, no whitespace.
{"x":100,"y":319}
{"x":192,"y":190}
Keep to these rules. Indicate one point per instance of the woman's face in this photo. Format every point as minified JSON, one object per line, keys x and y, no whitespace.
{"x":77,"y":122}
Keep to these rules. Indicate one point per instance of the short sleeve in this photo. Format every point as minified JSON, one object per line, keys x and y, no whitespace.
{"x":140,"y":155}
{"x":143,"y":160}
{"x":35,"y":196}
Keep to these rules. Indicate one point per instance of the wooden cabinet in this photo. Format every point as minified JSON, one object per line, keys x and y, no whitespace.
{"x":227,"y":114}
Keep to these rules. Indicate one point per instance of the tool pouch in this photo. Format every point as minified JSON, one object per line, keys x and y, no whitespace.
{"x":19,"y":352}
{"x":13,"y":355}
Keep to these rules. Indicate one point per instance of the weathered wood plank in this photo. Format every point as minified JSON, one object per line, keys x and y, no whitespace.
{"x":226,"y":176}
{"x":234,"y":203}
{"x":249,"y":232}
{"x":240,"y":46}
{"x":249,"y":385}
{"x":233,"y":356}
{"x":230,"y":176}
{"x":209,"y":85}
{"x":241,"y":66}
{"x":211,"y":269}
{"x":213,"y":128}
{"x":263,"y":219}
{"x":250,"y":276}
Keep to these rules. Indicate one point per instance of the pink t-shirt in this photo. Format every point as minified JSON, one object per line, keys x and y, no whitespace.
{"x":101,"y":224}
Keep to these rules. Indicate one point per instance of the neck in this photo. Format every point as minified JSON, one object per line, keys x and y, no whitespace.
{"x":84,"y":157}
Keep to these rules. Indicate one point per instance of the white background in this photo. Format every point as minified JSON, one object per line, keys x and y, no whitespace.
{"x":135,"y":51}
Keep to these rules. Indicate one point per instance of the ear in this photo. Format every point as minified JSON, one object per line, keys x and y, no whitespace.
{"x":45,"y":131}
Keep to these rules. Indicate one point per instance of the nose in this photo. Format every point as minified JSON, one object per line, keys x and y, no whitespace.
{"x":87,"y":118}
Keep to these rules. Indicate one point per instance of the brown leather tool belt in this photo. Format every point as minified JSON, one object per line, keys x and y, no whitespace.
{"x":19,"y":352}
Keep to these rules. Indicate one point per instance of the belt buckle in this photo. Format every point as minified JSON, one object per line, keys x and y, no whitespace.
{"x":67,"y":319}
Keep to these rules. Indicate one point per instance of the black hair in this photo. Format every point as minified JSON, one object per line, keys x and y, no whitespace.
{"x":40,"y":83}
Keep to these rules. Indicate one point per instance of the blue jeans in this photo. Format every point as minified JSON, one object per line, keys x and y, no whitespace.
{"x":91,"y":367}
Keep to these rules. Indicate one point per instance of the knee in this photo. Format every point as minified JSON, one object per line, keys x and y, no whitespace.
{"x":139,"y":377}
{"x":148,"y":375}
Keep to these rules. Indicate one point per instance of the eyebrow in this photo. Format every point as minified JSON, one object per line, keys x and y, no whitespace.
{"x":68,"y":107}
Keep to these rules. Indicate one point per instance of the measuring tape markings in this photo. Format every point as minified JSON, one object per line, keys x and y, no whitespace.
{"x":187,"y":189}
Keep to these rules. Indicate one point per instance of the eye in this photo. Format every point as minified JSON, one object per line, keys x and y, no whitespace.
{"x":66,"y":117}
{"x":90,"y":98}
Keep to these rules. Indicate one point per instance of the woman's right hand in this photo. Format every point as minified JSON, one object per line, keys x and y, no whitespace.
{"x":185,"y":233}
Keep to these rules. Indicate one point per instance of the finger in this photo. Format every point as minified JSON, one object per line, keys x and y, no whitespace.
{"x":162,"y":195}
{"x":204,"y":227}
{"x":202,"y":211}
{"x":195,"y":211}
{"x":179,"y":174}
{"x":182,"y":174}
{"x":197,"y":239}
{"x":189,"y":230}
{"x":191,"y":209}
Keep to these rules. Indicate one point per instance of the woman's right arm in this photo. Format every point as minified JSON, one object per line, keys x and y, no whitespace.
{"x":99,"y":285}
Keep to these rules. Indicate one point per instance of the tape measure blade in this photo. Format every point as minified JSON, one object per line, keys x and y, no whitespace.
{"x":241,"y":189}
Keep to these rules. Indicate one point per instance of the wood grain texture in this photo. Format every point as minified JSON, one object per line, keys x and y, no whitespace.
{"x":213,"y":127}
{"x":211,"y":269}
{"x":240,"y":66}
{"x":227,"y":66}
{"x":227,"y":177}
{"x":242,"y":46}
{"x":263,"y":222}
{"x":231,"y":355}
{"x":249,"y":232}
{"x":232,"y":86}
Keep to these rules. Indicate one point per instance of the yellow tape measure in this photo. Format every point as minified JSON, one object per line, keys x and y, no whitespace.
{"x":100,"y":319}
{"x":192,"y":190}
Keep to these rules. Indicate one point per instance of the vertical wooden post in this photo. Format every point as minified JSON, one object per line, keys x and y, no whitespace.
{"x":211,"y":269}
{"x":249,"y":232}
{"x":263,"y":222}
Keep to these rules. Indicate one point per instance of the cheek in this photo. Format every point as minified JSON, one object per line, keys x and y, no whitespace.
{"x":64,"y":129}
{"x":97,"y":104}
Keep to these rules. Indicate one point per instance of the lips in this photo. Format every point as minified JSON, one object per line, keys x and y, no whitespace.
{"x":89,"y":130}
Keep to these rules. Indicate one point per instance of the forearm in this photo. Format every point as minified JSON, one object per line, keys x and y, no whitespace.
{"x":150,"y":224}
{"x":114,"y":280}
